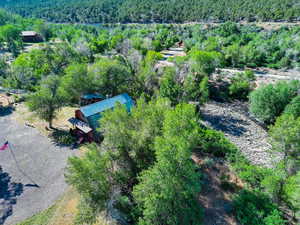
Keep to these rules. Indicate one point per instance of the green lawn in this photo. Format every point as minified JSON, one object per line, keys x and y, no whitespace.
{"x":41,"y":218}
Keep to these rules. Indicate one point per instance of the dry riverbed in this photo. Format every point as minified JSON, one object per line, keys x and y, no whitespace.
{"x":240,"y":128}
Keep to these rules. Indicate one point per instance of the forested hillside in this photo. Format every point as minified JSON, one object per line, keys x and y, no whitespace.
{"x":146,"y":11}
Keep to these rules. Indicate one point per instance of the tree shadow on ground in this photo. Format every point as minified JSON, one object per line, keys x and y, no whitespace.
{"x":8,"y":194}
{"x":226,"y":124}
{"x":62,"y":138}
{"x":215,"y":197}
{"x":5,"y":111}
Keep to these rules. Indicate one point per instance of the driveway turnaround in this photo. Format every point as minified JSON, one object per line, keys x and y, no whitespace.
{"x":32,"y":178}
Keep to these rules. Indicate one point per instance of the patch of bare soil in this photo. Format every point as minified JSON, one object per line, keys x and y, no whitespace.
{"x":218,"y":187}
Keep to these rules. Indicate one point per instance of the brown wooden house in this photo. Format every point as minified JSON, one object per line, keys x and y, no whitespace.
{"x":31,"y":36}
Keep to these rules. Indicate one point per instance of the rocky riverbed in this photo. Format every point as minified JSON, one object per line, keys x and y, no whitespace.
{"x":240,"y":128}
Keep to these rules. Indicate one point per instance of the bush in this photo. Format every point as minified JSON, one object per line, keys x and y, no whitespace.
{"x":86,"y":214}
{"x":294,"y":107}
{"x":292,"y":194}
{"x":275,"y":218}
{"x":169,"y":87}
{"x":268,"y":102}
{"x":241,"y":86}
{"x":249,"y":173}
{"x":255,"y":208}
{"x":126,"y":208}
{"x":249,"y":74}
{"x":240,"y":89}
{"x":214,"y":142}
{"x":61,"y":137}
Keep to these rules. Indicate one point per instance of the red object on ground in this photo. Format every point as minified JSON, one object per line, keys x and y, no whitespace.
{"x":4,"y":147}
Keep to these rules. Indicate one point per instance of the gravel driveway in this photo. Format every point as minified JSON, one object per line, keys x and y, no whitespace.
{"x":42,"y":162}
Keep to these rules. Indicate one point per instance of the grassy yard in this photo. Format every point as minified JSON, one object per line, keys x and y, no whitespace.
{"x":23,"y":115}
{"x":61,"y":213}
{"x":42,"y":218}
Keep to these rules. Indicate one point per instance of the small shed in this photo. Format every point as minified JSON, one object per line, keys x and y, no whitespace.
{"x":92,"y":113}
{"x":31,"y":36}
{"x":90,"y":99}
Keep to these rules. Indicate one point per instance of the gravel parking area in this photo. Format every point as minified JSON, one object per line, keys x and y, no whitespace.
{"x":41,"y":162}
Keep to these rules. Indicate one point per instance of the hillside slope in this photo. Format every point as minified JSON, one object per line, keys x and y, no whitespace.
{"x":163,"y":11}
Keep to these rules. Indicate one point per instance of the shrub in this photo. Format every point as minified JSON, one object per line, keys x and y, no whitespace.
{"x":292,"y":194}
{"x":249,"y":74}
{"x":240,"y":89}
{"x":294,"y":107}
{"x":255,"y":208}
{"x":249,"y":173}
{"x":271,"y":184}
{"x":196,"y":88}
{"x":240,"y":86}
{"x":214,"y":142}
{"x":86,"y":214}
{"x":127,"y":210}
{"x":169,"y":87}
{"x":274,"y":218}
{"x":61,"y":137}
{"x":268,"y":102}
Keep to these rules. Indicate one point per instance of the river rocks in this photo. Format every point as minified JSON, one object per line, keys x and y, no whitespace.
{"x":240,"y":128}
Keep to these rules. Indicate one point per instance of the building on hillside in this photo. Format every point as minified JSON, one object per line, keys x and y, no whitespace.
{"x":31,"y":36}
{"x":87,"y":118}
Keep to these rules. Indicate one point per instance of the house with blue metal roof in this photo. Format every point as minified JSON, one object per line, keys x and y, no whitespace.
{"x":91,"y":114}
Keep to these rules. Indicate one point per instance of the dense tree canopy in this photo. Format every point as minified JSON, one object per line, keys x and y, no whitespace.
{"x":103,"y":11}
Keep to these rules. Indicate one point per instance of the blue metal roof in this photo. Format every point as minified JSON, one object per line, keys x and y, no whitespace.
{"x":91,"y":96}
{"x":106,"y":104}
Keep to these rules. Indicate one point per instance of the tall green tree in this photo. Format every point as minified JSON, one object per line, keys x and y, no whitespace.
{"x":76,"y":81}
{"x":204,"y":63}
{"x":167,"y":192}
{"x":91,"y":175}
{"x":129,"y":137}
{"x":147,"y":75}
{"x":285,"y":136}
{"x":11,"y":35}
{"x":47,"y":100}
{"x":169,"y":87}
{"x":110,"y":77}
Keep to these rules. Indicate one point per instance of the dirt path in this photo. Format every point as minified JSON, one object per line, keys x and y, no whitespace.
{"x":218,"y":187}
{"x":234,"y":120}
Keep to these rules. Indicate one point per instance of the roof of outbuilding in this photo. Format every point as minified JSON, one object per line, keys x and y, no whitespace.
{"x":29,"y":33}
{"x":106,"y":104}
{"x":80,"y":125}
{"x":91,"y":96}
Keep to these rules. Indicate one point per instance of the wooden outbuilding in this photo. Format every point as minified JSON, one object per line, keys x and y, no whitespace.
{"x":31,"y":36}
